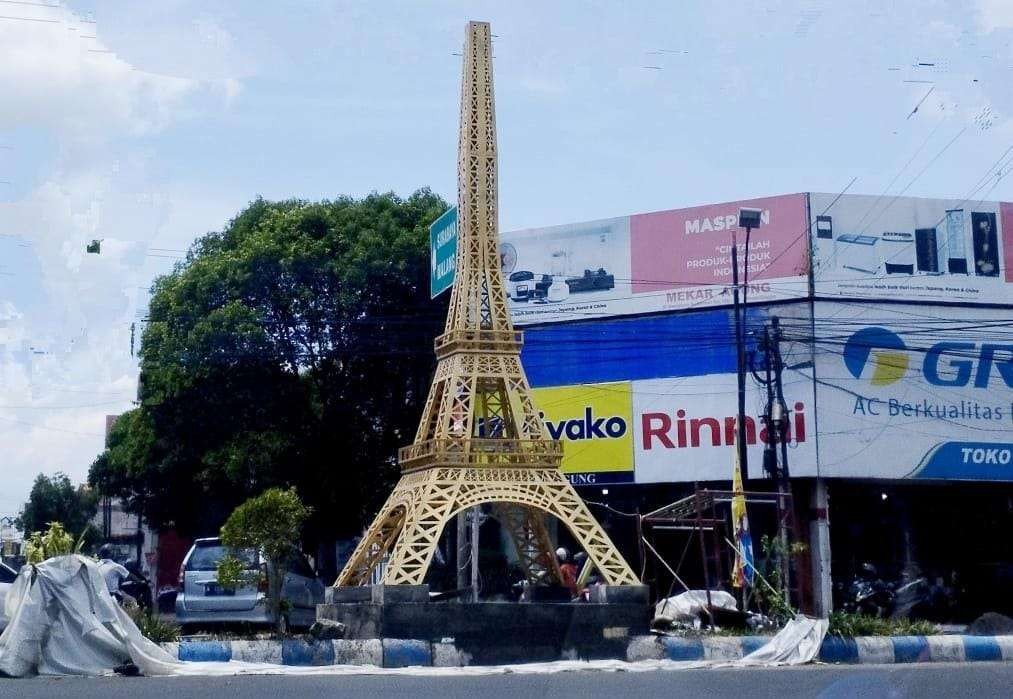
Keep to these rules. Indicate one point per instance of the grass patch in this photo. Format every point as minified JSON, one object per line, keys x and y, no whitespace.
{"x":844,"y":624}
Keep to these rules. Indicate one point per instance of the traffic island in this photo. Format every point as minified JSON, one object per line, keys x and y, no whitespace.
{"x":494,"y":633}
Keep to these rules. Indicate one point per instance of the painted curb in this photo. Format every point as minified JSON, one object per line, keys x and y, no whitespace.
{"x":835,"y":649}
{"x":394,"y":652}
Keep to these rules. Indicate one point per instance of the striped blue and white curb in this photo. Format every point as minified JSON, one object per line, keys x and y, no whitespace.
{"x":392,"y":652}
{"x":864,"y":650}
{"x":388,"y":652}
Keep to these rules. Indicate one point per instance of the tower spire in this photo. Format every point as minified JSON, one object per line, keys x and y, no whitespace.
{"x":481,"y":439}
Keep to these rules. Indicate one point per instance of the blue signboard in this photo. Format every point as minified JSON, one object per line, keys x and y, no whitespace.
{"x":443,"y":252}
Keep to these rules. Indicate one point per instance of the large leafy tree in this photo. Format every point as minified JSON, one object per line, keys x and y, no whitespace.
{"x":56,"y":499}
{"x":293,"y":348}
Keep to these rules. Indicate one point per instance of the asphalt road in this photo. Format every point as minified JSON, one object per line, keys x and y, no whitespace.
{"x":923,"y":680}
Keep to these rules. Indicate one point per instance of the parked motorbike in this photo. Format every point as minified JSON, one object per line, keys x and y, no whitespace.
{"x":135,"y":585}
{"x":869,"y":594}
{"x":911,"y":596}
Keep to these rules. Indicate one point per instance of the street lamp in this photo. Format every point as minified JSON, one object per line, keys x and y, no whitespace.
{"x":749,"y":219}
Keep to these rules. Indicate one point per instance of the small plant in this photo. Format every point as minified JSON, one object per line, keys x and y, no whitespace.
{"x":269,"y":523}
{"x":771,"y":599}
{"x":154,"y":627}
{"x":56,"y":541}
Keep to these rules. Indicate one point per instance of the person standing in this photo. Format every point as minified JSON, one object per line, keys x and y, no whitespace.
{"x":567,"y":570}
{"x":112,"y":572}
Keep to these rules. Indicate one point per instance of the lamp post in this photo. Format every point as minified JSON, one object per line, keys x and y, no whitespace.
{"x":748,"y":219}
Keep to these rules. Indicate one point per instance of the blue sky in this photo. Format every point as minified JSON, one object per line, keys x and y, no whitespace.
{"x":147,"y":124}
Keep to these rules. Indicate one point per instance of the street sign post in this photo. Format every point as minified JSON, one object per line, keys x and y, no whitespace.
{"x":443,"y":252}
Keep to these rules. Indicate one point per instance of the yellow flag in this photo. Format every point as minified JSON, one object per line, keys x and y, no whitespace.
{"x":742,"y":571}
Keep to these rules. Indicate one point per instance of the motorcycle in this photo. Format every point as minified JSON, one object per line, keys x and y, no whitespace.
{"x":136,"y":586}
{"x":912,"y":596}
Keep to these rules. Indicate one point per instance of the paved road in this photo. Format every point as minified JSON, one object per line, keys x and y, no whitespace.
{"x":925,"y":680}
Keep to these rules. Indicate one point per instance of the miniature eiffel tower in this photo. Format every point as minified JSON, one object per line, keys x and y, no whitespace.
{"x":480,"y":439}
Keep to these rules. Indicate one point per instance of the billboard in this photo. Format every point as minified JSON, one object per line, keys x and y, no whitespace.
{"x":667,"y":260}
{"x":651,"y":399}
{"x":594,"y":422}
{"x":934,"y":250}
{"x":684,"y":429}
{"x":914,"y":392}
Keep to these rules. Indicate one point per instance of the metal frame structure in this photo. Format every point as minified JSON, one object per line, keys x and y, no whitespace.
{"x":697,"y":514}
{"x":481,"y":439}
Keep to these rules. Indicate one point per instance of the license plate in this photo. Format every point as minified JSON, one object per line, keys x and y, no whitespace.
{"x":216,"y":590}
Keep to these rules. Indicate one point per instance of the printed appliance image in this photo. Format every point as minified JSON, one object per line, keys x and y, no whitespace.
{"x":986,"y":244}
{"x":956,"y":245}
{"x":857,"y":252}
{"x":592,"y":281}
{"x":520,"y":285}
{"x":525,"y":285}
{"x":825,"y":227}
{"x":898,"y":252}
{"x":927,"y":250}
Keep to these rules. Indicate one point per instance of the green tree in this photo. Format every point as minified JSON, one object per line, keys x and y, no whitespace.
{"x":56,"y":499}
{"x":270,"y":523}
{"x":293,"y":348}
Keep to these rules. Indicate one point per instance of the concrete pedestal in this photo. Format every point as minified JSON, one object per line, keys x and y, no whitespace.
{"x":495,"y":632}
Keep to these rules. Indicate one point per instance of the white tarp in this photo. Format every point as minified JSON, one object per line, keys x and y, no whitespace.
{"x":686,"y":607}
{"x":63,"y":622}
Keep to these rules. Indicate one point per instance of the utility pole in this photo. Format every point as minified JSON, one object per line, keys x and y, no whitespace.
{"x":777,"y":420}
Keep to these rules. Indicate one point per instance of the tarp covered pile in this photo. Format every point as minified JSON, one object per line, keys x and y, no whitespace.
{"x":62,"y":621}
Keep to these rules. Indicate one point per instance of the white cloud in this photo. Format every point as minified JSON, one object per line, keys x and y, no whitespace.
{"x":65,"y":314}
{"x":995,"y":14}
{"x":56,"y":75}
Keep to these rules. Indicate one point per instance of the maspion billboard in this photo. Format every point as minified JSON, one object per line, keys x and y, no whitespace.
{"x":666,"y":260}
{"x":892,"y":249}
{"x":919,"y":392}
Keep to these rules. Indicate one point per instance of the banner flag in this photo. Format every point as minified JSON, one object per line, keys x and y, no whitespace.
{"x":742,"y":571}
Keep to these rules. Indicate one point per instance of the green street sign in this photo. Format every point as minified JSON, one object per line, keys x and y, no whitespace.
{"x":443,"y":252}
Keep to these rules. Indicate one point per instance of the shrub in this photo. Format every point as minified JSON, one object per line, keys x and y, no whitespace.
{"x":154,"y":627}
{"x":57,"y":541}
{"x":270,"y":523}
{"x":845,"y":624}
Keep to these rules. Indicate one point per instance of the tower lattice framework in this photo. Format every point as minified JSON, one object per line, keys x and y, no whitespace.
{"x":481,"y":438}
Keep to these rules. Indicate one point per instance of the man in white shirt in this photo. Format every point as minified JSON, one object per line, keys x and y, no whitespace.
{"x":112,"y":572}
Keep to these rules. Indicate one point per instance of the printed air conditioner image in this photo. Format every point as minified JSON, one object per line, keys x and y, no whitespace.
{"x":898,"y":252}
{"x":927,"y":250}
{"x":986,"y":244}
{"x":825,"y":227}
{"x":857,"y":252}
{"x":956,"y":246}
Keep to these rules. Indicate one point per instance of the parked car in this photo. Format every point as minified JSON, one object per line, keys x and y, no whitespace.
{"x":201,"y":600}
{"x":7,"y":576}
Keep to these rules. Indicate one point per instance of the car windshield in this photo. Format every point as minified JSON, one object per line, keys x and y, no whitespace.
{"x":207,"y":557}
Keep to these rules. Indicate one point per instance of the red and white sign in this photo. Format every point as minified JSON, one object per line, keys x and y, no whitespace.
{"x":685,"y":249}
{"x":684,"y":428}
